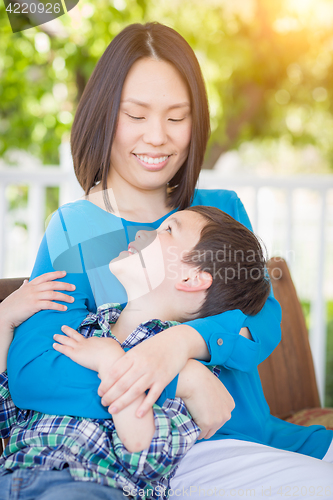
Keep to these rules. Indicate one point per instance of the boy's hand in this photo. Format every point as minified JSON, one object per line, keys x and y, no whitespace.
{"x":95,"y":353}
{"x":205,"y":397}
{"x":34,"y":296}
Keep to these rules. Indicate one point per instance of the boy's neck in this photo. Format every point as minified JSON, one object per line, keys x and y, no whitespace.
{"x":135,"y":313}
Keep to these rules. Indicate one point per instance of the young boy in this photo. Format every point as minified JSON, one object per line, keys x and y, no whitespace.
{"x":211,"y":263}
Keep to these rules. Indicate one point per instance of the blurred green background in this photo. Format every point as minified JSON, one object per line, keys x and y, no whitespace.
{"x":267,"y":63}
{"x":268,"y":66}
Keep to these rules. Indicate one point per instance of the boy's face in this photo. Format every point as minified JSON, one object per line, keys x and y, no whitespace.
{"x":154,"y":258}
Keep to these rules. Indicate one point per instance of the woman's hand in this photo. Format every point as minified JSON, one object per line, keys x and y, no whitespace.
{"x":34,"y":296}
{"x":205,"y":397}
{"x":152,"y":365}
{"x":95,"y":353}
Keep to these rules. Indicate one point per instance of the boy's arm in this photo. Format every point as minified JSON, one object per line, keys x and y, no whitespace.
{"x":175,"y":429}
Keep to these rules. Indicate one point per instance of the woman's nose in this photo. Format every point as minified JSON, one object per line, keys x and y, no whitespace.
{"x":155,"y":133}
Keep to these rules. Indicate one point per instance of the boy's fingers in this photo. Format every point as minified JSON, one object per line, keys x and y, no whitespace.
{"x":64,"y":340}
{"x":68,"y":351}
{"x":70,"y":332}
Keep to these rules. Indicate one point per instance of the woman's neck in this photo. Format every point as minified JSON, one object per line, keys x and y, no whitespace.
{"x":132,"y":203}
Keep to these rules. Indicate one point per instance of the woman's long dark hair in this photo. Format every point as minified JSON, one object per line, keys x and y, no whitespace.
{"x":95,"y":121}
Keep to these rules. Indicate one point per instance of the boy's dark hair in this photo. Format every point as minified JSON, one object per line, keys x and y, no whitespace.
{"x":233,"y":255}
{"x":95,"y":121}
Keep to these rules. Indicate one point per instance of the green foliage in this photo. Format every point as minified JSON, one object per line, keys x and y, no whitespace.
{"x":52,"y":200}
{"x":268,"y":67}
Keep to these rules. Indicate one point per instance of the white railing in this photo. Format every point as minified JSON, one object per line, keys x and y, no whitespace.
{"x":37,"y":179}
{"x":63,"y":176}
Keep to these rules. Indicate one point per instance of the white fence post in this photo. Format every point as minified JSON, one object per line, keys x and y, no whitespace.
{"x":70,"y":189}
{"x":36,"y":210}
{"x":318,"y":312}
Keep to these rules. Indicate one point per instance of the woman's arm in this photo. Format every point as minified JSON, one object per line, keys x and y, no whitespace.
{"x":39,"y":377}
{"x":34,"y":296}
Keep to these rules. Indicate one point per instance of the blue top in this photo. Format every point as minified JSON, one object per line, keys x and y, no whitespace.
{"x":82,"y":239}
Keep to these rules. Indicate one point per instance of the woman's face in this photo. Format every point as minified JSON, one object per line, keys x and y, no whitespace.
{"x":154,"y":126}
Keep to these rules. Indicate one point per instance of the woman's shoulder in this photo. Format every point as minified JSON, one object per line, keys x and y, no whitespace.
{"x":78,"y":221}
{"x":224,"y":199}
{"x":82,"y":215}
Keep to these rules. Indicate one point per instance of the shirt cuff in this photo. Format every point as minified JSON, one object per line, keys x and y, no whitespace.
{"x":221,"y":333}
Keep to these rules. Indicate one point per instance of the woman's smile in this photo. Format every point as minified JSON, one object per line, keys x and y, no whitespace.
{"x":152,"y":162}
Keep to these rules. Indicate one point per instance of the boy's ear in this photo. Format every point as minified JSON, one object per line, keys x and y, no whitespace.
{"x":196,"y":281}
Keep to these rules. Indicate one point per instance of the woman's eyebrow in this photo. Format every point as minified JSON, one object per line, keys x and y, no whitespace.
{"x":146,"y":105}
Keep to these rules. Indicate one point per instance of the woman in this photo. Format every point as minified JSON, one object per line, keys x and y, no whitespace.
{"x":138,"y":142}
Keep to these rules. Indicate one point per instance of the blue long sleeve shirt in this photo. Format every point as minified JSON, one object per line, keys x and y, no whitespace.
{"x":82,"y":239}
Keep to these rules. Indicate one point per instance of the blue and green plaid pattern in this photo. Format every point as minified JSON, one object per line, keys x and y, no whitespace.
{"x":91,"y":448}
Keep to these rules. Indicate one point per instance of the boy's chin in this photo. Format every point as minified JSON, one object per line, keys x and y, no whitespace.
{"x":114,"y":263}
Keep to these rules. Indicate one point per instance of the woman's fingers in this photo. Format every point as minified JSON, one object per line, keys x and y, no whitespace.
{"x":151,"y":398}
{"x":118,"y":404}
{"x":54,"y":306}
{"x":56,"y":285}
{"x":125,"y":390}
{"x":54,"y":275}
{"x":52,"y":295}
{"x":116,"y":372}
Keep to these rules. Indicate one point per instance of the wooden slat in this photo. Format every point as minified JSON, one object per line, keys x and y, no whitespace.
{"x":9,"y":285}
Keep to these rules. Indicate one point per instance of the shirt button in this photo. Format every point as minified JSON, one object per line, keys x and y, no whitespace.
{"x":219,"y":341}
{"x":75,"y":449}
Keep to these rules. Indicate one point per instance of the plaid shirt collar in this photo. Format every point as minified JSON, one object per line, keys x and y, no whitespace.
{"x":108,"y":314}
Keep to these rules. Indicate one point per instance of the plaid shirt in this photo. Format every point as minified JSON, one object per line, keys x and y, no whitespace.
{"x":91,"y":447}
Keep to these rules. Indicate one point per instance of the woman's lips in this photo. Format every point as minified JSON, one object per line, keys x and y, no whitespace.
{"x":152,"y":166}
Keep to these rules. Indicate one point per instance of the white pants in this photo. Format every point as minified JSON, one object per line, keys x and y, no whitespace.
{"x":230,"y":468}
